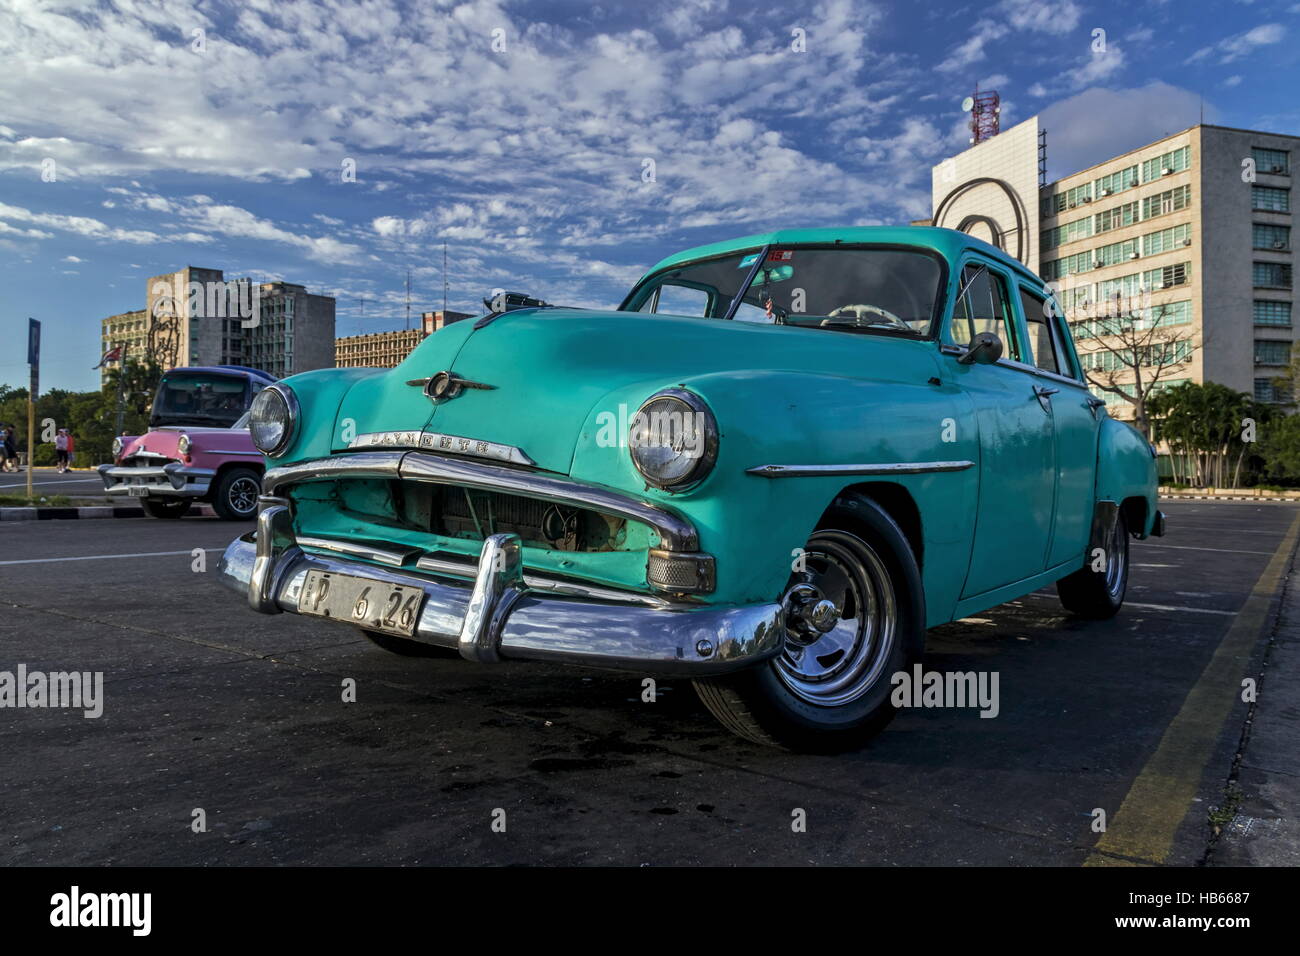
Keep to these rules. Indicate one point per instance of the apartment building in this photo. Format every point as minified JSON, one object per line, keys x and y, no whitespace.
{"x":1191,"y":232}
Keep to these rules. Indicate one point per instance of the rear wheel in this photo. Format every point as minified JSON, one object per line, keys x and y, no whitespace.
{"x":405,"y":647}
{"x":165,"y":507}
{"x":236,"y":496}
{"x":1097,"y":589}
{"x":855,"y":616}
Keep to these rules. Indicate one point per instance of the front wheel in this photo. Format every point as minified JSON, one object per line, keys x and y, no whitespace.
{"x":855,"y":615}
{"x":236,"y":496}
{"x":165,"y":507}
{"x":1097,"y":589}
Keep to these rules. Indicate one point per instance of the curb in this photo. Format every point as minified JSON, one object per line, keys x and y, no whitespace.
{"x":1277,"y":501}
{"x":90,"y":511}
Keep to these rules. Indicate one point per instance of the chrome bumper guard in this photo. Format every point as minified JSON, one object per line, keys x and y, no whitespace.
{"x":493,"y":609}
{"x":171,"y":480}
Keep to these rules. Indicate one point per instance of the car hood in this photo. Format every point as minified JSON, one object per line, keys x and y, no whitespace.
{"x":549,"y":369}
{"x":162,"y":440}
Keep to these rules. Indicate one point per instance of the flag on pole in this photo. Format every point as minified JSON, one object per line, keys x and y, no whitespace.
{"x":112,"y":355}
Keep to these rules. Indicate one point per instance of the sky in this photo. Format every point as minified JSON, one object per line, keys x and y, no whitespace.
{"x":557,"y":148}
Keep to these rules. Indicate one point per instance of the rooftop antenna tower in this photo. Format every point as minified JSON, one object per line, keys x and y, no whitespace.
{"x":444,"y":279}
{"x":985,"y":108}
{"x":408,"y":299}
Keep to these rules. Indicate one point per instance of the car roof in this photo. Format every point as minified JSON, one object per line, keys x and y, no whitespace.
{"x":224,"y":370}
{"x":949,"y":243}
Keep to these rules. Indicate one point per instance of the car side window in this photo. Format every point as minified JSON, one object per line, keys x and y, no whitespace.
{"x":678,"y":300}
{"x":984,"y":307}
{"x":1042,"y":340}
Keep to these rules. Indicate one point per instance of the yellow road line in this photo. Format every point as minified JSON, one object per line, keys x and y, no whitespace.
{"x":1162,"y":794}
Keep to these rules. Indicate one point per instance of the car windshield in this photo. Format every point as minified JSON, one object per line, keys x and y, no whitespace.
{"x":199,"y":398}
{"x":840,"y":288}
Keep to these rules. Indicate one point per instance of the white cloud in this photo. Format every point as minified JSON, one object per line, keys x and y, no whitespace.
{"x":1242,"y":44}
{"x":1098,"y":123}
{"x":72,"y":259}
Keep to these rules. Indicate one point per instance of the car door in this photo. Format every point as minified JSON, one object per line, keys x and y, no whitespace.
{"x":1075,"y":421}
{"x":1017,"y":487}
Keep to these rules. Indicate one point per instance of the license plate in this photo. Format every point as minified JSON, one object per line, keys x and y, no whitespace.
{"x":375,"y":605}
{"x":138,"y":491}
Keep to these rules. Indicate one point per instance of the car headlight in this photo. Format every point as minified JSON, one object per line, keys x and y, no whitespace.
{"x":183,"y":444}
{"x":673,"y":439}
{"x":272,"y":419}
{"x":117,"y":447}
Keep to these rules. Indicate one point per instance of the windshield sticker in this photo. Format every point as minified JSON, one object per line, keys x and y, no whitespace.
{"x":748,"y":261}
{"x":780,"y":255}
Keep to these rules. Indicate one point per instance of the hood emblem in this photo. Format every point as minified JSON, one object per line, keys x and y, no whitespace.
{"x":445,"y":385}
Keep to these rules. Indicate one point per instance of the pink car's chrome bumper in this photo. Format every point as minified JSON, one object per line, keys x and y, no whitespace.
{"x":172,"y":480}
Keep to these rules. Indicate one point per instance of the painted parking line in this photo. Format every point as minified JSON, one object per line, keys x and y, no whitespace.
{"x":1187,"y":547}
{"x":105,"y":557}
{"x":59,"y":481}
{"x":1142,"y":830}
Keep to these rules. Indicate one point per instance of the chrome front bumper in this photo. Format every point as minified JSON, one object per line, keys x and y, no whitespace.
{"x":493,"y":610}
{"x":172,"y":480}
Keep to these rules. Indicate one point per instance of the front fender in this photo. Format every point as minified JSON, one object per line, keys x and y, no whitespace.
{"x":753,"y":525}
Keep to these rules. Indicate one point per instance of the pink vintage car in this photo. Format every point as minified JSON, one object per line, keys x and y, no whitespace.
{"x":197,"y":448}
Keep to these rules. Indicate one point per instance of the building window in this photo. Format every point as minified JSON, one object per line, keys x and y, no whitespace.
{"x":1272,"y":352}
{"x":1265,"y":236}
{"x":1274,"y":161}
{"x":1268,"y":312}
{"x":1174,"y":161}
{"x":1116,"y":182}
{"x":1166,"y":277}
{"x":1269,"y":199}
{"x":1067,"y":232}
{"x":1272,"y":275}
{"x":1124,"y":215}
{"x":1171,"y":200}
{"x":1167,"y":239}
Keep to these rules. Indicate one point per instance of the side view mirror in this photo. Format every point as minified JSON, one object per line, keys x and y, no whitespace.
{"x":985,"y":349}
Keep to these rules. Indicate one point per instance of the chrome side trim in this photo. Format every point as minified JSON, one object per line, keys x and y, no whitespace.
{"x":674,"y":531}
{"x":891,"y":468}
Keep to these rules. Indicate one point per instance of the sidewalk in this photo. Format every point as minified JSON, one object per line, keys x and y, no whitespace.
{"x":1265,"y":830}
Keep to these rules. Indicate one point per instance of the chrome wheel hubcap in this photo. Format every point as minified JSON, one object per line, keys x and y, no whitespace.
{"x":243,"y":495}
{"x":841,"y":620}
{"x":1116,"y":557}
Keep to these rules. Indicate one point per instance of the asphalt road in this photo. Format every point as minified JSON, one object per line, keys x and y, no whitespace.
{"x":47,"y":481}
{"x":211,"y":706}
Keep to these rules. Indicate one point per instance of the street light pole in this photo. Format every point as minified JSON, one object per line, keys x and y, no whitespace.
{"x":121,"y":386}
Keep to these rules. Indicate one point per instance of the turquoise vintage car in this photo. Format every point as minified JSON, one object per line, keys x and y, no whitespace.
{"x":770,"y":470}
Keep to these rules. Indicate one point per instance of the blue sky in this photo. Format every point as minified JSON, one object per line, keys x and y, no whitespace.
{"x":529,"y":160}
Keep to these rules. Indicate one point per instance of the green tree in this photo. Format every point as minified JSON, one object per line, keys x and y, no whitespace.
{"x":1211,"y":430}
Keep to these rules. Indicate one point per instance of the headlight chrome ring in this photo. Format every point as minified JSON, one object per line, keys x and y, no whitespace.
{"x":673,"y":440}
{"x":273,"y":419}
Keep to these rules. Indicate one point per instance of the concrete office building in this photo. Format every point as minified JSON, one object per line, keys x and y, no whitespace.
{"x":194,"y":316}
{"x":387,"y":349}
{"x":1192,"y":231}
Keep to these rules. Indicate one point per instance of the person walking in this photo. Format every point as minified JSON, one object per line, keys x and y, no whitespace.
{"x":8,"y":451}
{"x":61,"y":443}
